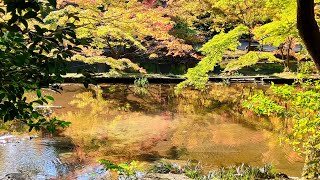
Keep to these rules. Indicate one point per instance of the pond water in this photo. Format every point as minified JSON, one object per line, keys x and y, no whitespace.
{"x":37,"y":157}
{"x":44,"y":158}
{"x":123,"y":123}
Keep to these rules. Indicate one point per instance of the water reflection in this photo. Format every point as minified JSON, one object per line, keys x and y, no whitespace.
{"x":114,"y":122}
{"x":38,"y":158}
{"x":209,"y":126}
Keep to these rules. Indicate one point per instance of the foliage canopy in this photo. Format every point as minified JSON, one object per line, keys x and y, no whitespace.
{"x":31,"y":57}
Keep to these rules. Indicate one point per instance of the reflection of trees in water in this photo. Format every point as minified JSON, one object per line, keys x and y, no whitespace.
{"x":193,"y":124}
{"x":154,"y":101}
{"x":162,"y":98}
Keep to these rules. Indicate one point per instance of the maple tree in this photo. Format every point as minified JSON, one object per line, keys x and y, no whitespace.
{"x":281,"y":31}
{"x":118,"y":28}
{"x":273,"y":22}
{"x":230,"y":18}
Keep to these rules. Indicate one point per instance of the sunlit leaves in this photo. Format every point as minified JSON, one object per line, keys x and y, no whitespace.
{"x":247,"y":12}
{"x":263,"y":105}
{"x":115,"y":26}
{"x":301,"y":105}
{"x":31,"y":57}
{"x":214,"y":51}
{"x":250,"y":59}
{"x":118,"y":65}
{"x":283,"y":23}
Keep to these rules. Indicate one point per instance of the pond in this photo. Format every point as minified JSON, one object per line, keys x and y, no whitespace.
{"x":38,"y":157}
{"x":124,"y":123}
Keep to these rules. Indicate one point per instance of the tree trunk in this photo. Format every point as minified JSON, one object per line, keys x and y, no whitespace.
{"x":309,"y":30}
{"x":249,"y":41}
{"x":310,"y":34}
{"x":288,"y":58}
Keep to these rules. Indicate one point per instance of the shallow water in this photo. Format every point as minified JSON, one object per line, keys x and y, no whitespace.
{"x":121,"y":125}
{"x":39,"y":158}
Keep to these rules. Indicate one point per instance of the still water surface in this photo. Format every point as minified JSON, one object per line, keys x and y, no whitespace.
{"x":120,"y":124}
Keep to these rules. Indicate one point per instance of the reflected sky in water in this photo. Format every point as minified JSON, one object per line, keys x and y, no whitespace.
{"x":37,"y":157}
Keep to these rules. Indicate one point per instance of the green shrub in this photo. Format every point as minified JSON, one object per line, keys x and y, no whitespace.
{"x":243,"y":172}
{"x":306,"y":69}
{"x":163,"y":167}
{"x":125,"y":170}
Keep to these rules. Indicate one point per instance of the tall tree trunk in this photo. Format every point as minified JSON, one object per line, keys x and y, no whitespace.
{"x":309,"y":30}
{"x":310,"y":34}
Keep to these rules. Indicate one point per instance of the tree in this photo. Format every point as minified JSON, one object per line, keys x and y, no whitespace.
{"x":233,"y":12}
{"x":230,"y":18}
{"x":309,"y":29}
{"x":117,"y":26}
{"x":31,"y":57}
{"x":281,"y":31}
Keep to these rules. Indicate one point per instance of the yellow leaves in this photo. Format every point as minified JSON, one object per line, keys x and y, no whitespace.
{"x":153,"y":56}
{"x":188,"y":9}
{"x":224,"y":40}
{"x":214,"y":51}
{"x":117,"y":24}
{"x":126,"y":22}
{"x":82,"y":3}
{"x":115,"y":64}
{"x":250,"y":59}
{"x":283,"y":23}
{"x":248,"y":12}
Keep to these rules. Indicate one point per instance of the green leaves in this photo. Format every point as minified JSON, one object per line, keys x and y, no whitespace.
{"x":125,"y":170}
{"x":30,"y":14}
{"x":263,"y":105}
{"x":213,"y":50}
{"x":2,"y":95}
{"x":109,"y":165}
{"x":50,"y":98}
{"x":38,"y":93}
{"x":53,"y":3}
{"x":50,"y":125}
{"x":30,"y":59}
{"x":250,"y":59}
{"x":300,"y":105}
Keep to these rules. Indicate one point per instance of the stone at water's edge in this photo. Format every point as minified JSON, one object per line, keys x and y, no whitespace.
{"x":157,"y":176}
{"x":16,"y":176}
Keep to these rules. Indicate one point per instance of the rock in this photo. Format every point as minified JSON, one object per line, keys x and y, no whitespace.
{"x":282,"y":176}
{"x":16,"y":176}
{"x":157,"y":176}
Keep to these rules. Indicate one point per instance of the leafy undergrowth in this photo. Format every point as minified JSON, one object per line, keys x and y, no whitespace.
{"x":192,"y":170}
